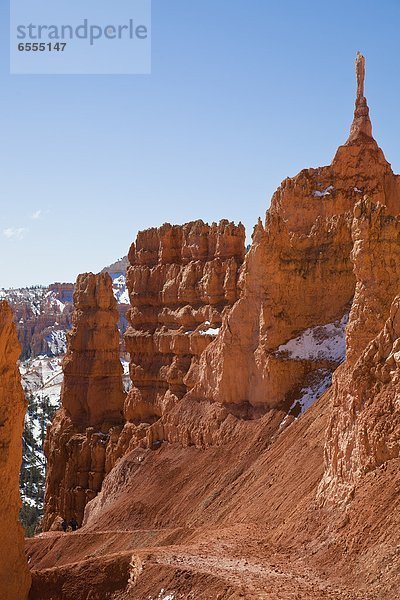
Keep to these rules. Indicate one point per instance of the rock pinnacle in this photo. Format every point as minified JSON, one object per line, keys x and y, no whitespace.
{"x":361,"y":128}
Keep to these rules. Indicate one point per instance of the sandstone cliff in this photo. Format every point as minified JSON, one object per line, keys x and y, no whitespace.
{"x":216,"y":487}
{"x":298,"y":275}
{"x":14,"y":574}
{"x":92,"y":399}
{"x":364,"y":429}
{"x":182,"y":281}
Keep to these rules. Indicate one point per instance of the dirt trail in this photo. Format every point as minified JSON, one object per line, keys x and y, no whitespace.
{"x":257,"y":579}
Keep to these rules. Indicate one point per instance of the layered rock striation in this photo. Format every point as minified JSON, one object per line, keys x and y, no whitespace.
{"x":364,"y":429}
{"x":298,"y":277}
{"x":213,"y":482}
{"x":14,"y":574}
{"x":182,"y":281}
{"x":92,"y":399}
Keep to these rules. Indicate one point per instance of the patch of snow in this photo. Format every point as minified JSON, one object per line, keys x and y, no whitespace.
{"x":357,"y":190}
{"x":323,"y":342}
{"x":57,"y":342}
{"x":165,"y":596}
{"x":42,"y":377}
{"x":124,"y":297}
{"x":317,"y":383}
{"x":325,"y":192}
{"x":320,"y":382}
{"x":26,"y":500}
{"x":126,"y":380}
{"x":119,"y":288}
{"x":119,"y":279}
{"x":59,"y":304}
{"x":210,"y":331}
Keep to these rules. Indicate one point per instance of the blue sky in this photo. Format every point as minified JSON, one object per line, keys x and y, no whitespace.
{"x":242,"y":94}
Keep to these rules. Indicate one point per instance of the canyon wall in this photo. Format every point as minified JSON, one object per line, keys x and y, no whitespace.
{"x":217,"y":336}
{"x":364,"y":431}
{"x":14,"y":574}
{"x":42,"y":316}
{"x":210,"y":471}
{"x":92,"y":400}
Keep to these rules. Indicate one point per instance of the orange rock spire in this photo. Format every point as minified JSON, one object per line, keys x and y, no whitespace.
{"x":361,"y":126}
{"x":92,"y":399}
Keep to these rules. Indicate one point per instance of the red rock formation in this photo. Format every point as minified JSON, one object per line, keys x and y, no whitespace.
{"x":14,"y":574}
{"x":181,"y":281}
{"x":364,"y":428}
{"x":363,"y":432}
{"x":92,"y":400}
{"x":38,"y":313}
{"x":361,"y":127}
{"x":236,"y":513}
{"x":297,"y":275}
{"x":92,"y":391}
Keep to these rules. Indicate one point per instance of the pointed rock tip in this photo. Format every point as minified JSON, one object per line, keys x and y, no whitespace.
{"x":361,"y":128}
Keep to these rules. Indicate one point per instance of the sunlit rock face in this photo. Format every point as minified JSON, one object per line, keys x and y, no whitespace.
{"x":92,"y":399}
{"x":14,"y":574}
{"x":181,"y":281}
{"x":364,"y":430}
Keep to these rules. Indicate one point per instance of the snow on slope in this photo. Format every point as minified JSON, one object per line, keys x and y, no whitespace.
{"x":42,"y":376}
{"x":319,"y":343}
{"x":57,"y":342}
{"x":120,"y":290}
{"x":41,"y":379}
{"x":323,"y":342}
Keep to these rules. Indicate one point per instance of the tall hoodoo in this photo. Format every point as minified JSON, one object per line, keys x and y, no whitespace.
{"x":92,"y":391}
{"x":14,"y":574}
{"x":359,"y":438}
{"x":92,"y":399}
{"x":361,"y":127}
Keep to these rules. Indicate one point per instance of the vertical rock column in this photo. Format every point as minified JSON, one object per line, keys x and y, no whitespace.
{"x":364,"y":429}
{"x":92,"y":399}
{"x":181,"y":281}
{"x":14,"y":573}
